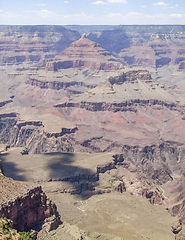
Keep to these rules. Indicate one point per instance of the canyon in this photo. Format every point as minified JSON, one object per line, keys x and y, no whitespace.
{"x":94,"y":118}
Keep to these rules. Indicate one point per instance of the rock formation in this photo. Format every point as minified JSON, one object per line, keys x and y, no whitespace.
{"x":32,"y":43}
{"x":84,"y":54}
{"x":33,"y":136}
{"x":26,"y":205}
{"x":146,"y":46}
{"x":158,"y":48}
{"x":84,"y":100}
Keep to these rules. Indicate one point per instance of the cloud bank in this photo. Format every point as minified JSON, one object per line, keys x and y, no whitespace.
{"x":109,"y":2}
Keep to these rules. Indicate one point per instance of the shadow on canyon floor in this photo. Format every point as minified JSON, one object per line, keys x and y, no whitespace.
{"x":62,"y":171}
{"x":66,"y":165}
{"x":10,"y":168}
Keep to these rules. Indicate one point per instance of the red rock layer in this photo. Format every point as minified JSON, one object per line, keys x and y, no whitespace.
{"x":29,"y":208}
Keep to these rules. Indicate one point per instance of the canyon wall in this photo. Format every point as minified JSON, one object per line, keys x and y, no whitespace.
{"x":20,"y":44}
{"x":29,"y":209}
{"x":31,"y":135}
{"x":146,"y":46}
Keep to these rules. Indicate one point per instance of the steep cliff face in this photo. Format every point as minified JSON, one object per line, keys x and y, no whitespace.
{"x":128,"y":107}
{"x":32,"y":43}
{"x":32,"y":135}
{"x":159,"y":162}
{"x":29,"y":209}
{"x":25,"y":205}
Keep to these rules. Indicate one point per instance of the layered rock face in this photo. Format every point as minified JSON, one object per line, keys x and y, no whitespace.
{"x":32,"y":43}
{"x":84,"y":54}
{"x":86,"y":100}
{"x":25,"y":205}
{"x":28,"y":210}
{"x":33,"y":136}
{"x":146,"y":46}
{"x":130,"y":105}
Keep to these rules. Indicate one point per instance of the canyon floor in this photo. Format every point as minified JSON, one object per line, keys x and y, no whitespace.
{"x":103,"y":216}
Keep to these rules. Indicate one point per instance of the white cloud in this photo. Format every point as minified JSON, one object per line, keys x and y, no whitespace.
{"x":160,"y":4}
{"x":42,"y":14}
{"x":44,"y":17}
{"x":113,"y":15}
{"x":66,"y":2}
{"x":174,"y":6}
{"x":177,"y":15}
{"x":109,"y":1}
{"x":41,"y":4}
{"x":134,"y":14}
{"x":99,"y":3}
{"x":143,"y":6}
{"x":117,"y":1}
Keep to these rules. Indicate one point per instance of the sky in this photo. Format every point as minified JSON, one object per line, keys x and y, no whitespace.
{"x":91,"y":12}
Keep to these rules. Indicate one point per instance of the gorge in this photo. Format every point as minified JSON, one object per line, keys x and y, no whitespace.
{"x":94,"y":118}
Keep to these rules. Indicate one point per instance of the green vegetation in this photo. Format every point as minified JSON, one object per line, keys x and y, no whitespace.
{"x":161,"y":192}
{"x":7,"y":233}
{"x":114,"y":180}
{"x":111,"y":183}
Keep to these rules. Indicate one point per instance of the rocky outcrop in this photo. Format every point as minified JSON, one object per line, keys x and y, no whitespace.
{"x":3,"y":103}
{"x":84,"y":54}
{"x":32,"y":136}
{"x":157,"y":162}
{"x":119,"y":186}
{"x":57,"y":85}
{"x":116,"y":107}
{"x":26,"y":205}
{"x":138,"y":170}
{"x":29,"y":209}
{"x":131,"y":76}
{"x":182,"y":65}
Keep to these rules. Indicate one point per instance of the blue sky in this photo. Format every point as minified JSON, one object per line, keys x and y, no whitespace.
{"x":93,"y":12}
